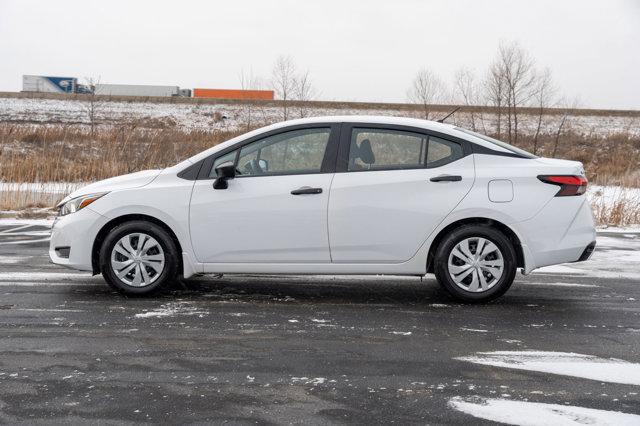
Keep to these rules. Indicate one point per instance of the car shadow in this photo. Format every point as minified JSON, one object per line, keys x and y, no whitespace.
{"x":370,"y":290}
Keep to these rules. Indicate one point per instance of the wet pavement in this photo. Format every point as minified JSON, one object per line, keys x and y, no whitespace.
{"x":313,"y":350}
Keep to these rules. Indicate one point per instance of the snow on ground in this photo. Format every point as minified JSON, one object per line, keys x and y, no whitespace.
{"x":534,"y":413}
{"x":36,"y":193}
{"x":192,"y":116}
{"x":61,"y":188}
{"x":23,"y":222}
{"x":172,"y":309}
{"x":567,"y":364}
{"x":609,"y":195}
{"x":613,"y":258}
{"x":36,"y":278}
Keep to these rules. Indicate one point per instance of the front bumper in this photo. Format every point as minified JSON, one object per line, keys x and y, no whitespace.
{"x":73,"y":236}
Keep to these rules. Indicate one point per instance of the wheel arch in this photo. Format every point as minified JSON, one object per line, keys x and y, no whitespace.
{"x":104,"y":231}
{"x":506,"y":230}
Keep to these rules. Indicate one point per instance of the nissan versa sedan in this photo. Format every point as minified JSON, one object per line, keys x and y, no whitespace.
{"x":335,"y":195}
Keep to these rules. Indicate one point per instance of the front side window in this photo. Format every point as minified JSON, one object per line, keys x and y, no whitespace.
{"x":223,"y":159}
{"x":379,"y":149}
{"x":296,"y":151}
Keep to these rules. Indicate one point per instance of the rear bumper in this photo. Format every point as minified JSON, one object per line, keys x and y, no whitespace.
{"x":562,"y":232}
{"x":588,"y":251}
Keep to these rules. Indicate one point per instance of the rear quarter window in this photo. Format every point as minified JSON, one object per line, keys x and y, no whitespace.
{"x":442,"y":151}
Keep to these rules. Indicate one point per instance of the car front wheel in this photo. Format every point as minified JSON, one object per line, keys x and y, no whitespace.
{"x":138,"y":258}
{"x":475,"y":263}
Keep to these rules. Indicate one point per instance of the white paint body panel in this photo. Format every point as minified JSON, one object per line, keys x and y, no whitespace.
{"x":257,"y":220}
{"x":385,"y":216}
{"x":368,"y":222}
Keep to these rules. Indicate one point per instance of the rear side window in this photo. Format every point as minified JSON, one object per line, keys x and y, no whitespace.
{"x":379,"y":149}
{"x":442,"y":151}
{"x":385,"y":149}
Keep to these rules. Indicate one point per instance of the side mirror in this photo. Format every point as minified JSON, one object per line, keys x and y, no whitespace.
{"x":224,"y":171}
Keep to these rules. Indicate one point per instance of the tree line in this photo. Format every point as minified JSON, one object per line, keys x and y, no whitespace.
{"x":512,"y":80}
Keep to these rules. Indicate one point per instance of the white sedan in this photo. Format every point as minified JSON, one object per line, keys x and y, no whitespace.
{"x":335,"y":195}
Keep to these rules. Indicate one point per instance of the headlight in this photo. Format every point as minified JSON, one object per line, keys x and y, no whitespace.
{"x":78,"y":203}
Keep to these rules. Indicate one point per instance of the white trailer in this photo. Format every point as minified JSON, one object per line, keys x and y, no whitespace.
{"x":48,"y":84}
{"x":136,"y":90}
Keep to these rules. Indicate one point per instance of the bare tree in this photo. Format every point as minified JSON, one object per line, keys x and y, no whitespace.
{"x":283,"y":79}
{"x":517,"y":68}
{"x":495,"y":92}
{"x":427,"y":89}
{"x":91,"y":106}
{"x":248,"y":81}
{"x":467,"y":92}
{"x":568,"y":107}
{"x":544,"y":95}
{"x":304,"y":91}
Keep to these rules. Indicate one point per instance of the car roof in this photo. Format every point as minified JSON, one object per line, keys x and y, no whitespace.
{"x":449,"y":129}
{"x":377,"y":119}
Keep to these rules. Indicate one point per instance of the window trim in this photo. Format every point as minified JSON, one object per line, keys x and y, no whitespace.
{"x":328,"y":161}
{"x":342,"y":163}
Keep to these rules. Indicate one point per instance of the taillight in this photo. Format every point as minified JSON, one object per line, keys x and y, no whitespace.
{"x":569,"y":184}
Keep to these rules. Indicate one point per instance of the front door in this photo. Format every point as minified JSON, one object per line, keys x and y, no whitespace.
{"x":397,"y":187}
{"x":274,"y":210}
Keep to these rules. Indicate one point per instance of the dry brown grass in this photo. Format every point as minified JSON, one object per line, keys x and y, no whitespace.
{"x":71,"y":154}
{"x":617,"y":206}
{"x":612,"y":160}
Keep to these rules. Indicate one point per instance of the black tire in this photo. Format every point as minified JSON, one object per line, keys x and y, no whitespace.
{"x":171,"y":258}
{"x":458,"y":235}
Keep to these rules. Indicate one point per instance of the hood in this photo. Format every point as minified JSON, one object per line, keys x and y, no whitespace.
{"x":132,"y":180}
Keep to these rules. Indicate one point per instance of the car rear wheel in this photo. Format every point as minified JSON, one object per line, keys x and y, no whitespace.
{"x":138,"y":258}
{"x":475,"y":263}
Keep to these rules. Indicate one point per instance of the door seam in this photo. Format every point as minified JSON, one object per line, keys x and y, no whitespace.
{"x":327,"y":213}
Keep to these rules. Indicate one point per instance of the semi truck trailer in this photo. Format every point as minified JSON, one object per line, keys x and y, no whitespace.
{"x":140,"y":90}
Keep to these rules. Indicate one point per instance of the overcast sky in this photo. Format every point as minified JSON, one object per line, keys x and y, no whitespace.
{"x":355,"y":50}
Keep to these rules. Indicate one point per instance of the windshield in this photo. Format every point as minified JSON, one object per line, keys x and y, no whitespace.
{"x":501,"y":144}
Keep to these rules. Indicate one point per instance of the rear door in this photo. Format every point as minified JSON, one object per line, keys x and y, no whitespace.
{"x":393,"y":186}
{"x":275,"y":209}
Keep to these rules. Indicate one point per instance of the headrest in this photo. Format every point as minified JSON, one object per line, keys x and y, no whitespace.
{"x":366,"y":153}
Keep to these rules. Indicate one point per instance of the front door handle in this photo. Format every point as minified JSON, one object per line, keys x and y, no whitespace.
{"x":446,"y":178}
{"x":306,"y":190}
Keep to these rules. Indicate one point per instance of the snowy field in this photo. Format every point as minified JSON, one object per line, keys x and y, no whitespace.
{"x":209,"y":116}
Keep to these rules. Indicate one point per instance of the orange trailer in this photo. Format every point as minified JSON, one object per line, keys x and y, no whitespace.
{"x":233,"y":94}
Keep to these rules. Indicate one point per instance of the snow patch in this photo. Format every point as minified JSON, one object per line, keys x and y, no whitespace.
{"x":170,"y":310}
{"x":561,"y":284}
{"x":33,"y":277}
{"x":562,"y":363}
{"x":535,"y":413}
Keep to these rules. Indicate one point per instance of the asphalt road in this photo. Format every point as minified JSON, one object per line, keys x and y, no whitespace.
{"x":313,"y":350}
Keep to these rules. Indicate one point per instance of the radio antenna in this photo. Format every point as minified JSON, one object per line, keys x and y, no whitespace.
{"x":448,"y":115}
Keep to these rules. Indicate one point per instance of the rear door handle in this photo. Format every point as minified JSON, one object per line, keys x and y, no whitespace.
{"x":306,"y":190}
{"x":446,"y":178}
